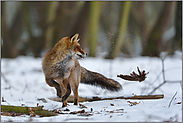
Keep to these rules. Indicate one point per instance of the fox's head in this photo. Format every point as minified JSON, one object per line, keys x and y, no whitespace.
{"x":75,"y":48}
{"x":69,"y":46}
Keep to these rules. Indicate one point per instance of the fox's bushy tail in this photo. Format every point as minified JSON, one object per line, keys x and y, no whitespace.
{"x":93,"y":78}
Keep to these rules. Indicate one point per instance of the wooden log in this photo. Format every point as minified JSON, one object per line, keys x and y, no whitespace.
{"x":135,"y":97}
{"x":27,"y":110}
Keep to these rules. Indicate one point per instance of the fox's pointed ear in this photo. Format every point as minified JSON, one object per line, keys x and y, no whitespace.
{"x":74,"y":37}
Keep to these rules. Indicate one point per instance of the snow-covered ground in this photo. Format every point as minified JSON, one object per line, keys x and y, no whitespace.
{"x":23,"y":82}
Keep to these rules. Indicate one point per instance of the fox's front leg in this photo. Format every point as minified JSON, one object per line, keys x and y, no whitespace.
{"x":76,"y":97}
{"x":74,"y":87}
{"x":52,"y":83}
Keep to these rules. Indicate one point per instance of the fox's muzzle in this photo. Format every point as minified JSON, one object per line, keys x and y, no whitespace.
{"x":81,"y":54}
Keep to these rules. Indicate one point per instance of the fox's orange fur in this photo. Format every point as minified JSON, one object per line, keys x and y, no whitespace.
{"x":63,"y":71}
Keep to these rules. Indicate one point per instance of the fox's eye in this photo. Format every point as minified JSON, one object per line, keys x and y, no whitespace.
{"x":77,"y":48}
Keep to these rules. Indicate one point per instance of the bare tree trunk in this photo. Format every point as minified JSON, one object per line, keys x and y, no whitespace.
{"x":67,"y":19}
{"x":35,"y":43}
{"x":176,"y":44}
{"x":50,"y":20}
{"x":81,"y":23}
{"x":93,"y":26}
{"x":73,"y":10}
{"x":141,"y":19}
{"x":122,"y":31}
{"x":11,"y":34}
{"x":154,"y":43}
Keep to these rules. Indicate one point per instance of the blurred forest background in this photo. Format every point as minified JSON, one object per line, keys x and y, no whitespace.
{"x":123,"y":29}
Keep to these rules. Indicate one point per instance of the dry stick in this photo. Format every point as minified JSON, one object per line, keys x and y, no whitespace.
{"x":172,"y":99}
{"x":136,"y":97}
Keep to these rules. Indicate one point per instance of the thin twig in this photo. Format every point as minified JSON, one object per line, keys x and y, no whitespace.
{"x":163,"y":74}
{"x":181,"y":84}
{"x":163,"y":69}
{"x":178,"y":81}
{"x":2,"y":75}
{"x":157,"y":87}
{"x":172,"y":99}
{"x":164,"y":80}
{"x":26,"y":87}
{"x":157,"y":77}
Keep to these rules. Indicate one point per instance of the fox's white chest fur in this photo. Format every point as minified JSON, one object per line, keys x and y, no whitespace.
{"x":64,"y":67}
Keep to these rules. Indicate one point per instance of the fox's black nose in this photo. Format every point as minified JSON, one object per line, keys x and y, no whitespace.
{"x":86,"y":54}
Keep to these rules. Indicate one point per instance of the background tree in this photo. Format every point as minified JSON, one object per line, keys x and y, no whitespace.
{"x":122,"y":31}
{"x":118,"y":28}
{"x":50,"y":27}
{"x":153,"y":45}
{"x":12,"y":27}
{"x":177,"y":44}
{"x":93,"y":26}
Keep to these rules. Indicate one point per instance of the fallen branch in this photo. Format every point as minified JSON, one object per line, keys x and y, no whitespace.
{"x":134,"y":76}
{"x":136,"y":97}
{"x":27,"y":110}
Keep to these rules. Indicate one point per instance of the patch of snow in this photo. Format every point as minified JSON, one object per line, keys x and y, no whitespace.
{"x":26,"y":83}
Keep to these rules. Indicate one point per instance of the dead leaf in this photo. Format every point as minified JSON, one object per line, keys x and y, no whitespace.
{"x":32,"y":110}
{"x":178,"y":102}
{"x":6,"y":113}
{"x":42,"y":99}
{"x":133,"y":103}
{"x":66,"y":109}
{"x":76,"y":112}
{"x":3,"y":100}
{"x":82,"y":111}
{"x":82,"y":106}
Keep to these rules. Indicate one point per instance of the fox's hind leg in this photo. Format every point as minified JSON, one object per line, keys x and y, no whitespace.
{"x":64,"y":98}
{"x":52,"y":83}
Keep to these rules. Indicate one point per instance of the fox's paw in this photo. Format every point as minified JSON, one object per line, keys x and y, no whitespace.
{"x":76,"y":101}
{"x":64,"y":104}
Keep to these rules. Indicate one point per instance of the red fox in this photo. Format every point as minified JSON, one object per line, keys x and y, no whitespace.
{"x":63,"y":71}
